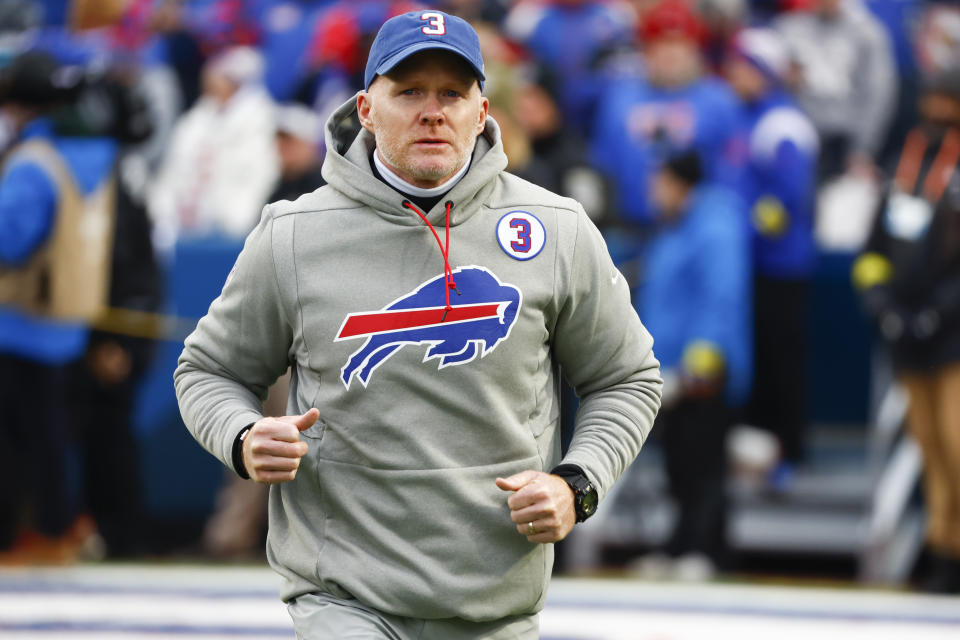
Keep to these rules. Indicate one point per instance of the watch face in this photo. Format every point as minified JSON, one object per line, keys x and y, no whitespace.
{"x":588,"y":502}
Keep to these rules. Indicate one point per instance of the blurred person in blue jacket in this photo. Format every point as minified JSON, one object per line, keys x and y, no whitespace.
{"x":55,"y":235}
{"x":695,"y":297}
{"x":641,"y":121}
{"x":779,"y":187}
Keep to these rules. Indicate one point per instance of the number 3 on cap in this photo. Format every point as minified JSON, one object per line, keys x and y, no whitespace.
{"x":437,"y":27}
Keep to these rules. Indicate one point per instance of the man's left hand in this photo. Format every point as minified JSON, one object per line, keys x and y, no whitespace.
{"x":542,"y":500}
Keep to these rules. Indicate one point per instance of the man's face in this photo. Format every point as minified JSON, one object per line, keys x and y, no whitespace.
{"x":426,"y":115}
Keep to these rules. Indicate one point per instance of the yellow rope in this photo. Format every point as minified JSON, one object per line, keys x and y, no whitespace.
{"x":144,"y":324}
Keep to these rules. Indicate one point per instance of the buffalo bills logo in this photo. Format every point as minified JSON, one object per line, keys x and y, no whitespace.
{"x":480,"y":319}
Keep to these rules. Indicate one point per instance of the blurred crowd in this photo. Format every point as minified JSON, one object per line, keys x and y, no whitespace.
{"x":721,"y":145}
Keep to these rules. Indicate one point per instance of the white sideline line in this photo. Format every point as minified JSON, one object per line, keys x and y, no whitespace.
{"x":193,"y":603}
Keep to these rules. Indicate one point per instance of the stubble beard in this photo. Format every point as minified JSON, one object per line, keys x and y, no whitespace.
{"x":422,"y":167}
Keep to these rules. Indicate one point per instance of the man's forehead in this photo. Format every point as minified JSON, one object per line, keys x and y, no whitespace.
{"x":432,"y":59}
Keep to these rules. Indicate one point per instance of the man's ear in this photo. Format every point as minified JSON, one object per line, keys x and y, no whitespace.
{"x":484,"y":108}
{"x":363,"y":110}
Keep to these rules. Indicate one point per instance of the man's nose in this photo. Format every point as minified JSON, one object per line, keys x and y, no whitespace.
{"x":432,"y":113}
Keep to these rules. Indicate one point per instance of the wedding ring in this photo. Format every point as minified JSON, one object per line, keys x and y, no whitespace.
{"x":530,"y":529}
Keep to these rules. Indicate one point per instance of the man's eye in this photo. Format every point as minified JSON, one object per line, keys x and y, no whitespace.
{"x":452,"y":94}
{"x":409,"y":92}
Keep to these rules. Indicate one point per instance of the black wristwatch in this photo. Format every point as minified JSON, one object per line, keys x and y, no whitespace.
{"x":585,"y":496}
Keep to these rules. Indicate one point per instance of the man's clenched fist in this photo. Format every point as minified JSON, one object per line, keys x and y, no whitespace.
{"x":272,"y":449}
{"x":541,"y":505}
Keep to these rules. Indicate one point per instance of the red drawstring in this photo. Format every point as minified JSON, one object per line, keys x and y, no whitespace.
{"x":447,"y":270}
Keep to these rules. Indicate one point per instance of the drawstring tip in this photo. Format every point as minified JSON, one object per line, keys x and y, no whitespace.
{"x":453,"y":285}
{"x":444,"y":316}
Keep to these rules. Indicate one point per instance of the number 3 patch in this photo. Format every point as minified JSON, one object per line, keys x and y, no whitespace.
{"x":521,"y":235}
{"x":436,"y":22}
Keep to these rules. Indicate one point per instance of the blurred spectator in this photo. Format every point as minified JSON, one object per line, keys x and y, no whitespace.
{"x":141,"y":58}
{"x":779,"y":187}
{"x":504,"y":68}
{"x":909,"y":276}
{"x":222,"y":161}
{"x":558,"y":153}
{"x":56,"y":208}
{"x":103,"y":384}
{"x":299,"y":141}
{"x":642,"y":121}
{"x":848,"y":81}
{"x":695,"y":297}
{"x":539,"y":145}
{"x":571,"y":39}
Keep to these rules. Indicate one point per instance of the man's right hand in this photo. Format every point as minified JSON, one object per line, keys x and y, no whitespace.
{"x":272,"y":450}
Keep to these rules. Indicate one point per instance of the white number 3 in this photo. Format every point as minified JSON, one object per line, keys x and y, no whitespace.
{"x":436,"y":28}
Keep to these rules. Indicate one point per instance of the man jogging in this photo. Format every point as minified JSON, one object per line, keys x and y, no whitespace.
{"x":427,"y":302}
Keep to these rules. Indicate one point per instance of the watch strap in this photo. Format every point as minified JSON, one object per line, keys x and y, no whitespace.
{"x":236,"y":453}
{"x":577,"y":480}
{"x":568,"y":471}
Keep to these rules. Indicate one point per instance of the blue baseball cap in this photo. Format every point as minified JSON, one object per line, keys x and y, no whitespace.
{"x":402,"y":36}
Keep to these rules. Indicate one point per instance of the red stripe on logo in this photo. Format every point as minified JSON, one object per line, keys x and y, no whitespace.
{"x":360,"y":324}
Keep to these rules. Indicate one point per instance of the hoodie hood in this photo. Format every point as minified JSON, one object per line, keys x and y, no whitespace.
{"x":346,"y":168}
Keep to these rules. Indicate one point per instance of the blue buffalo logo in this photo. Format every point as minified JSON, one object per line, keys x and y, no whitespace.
{"x":480,"y":319}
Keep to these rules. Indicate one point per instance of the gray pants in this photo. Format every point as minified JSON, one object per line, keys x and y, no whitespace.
{"x":318,"y":616}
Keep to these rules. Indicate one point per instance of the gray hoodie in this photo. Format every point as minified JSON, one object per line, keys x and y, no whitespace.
{"x":395,"y":503}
